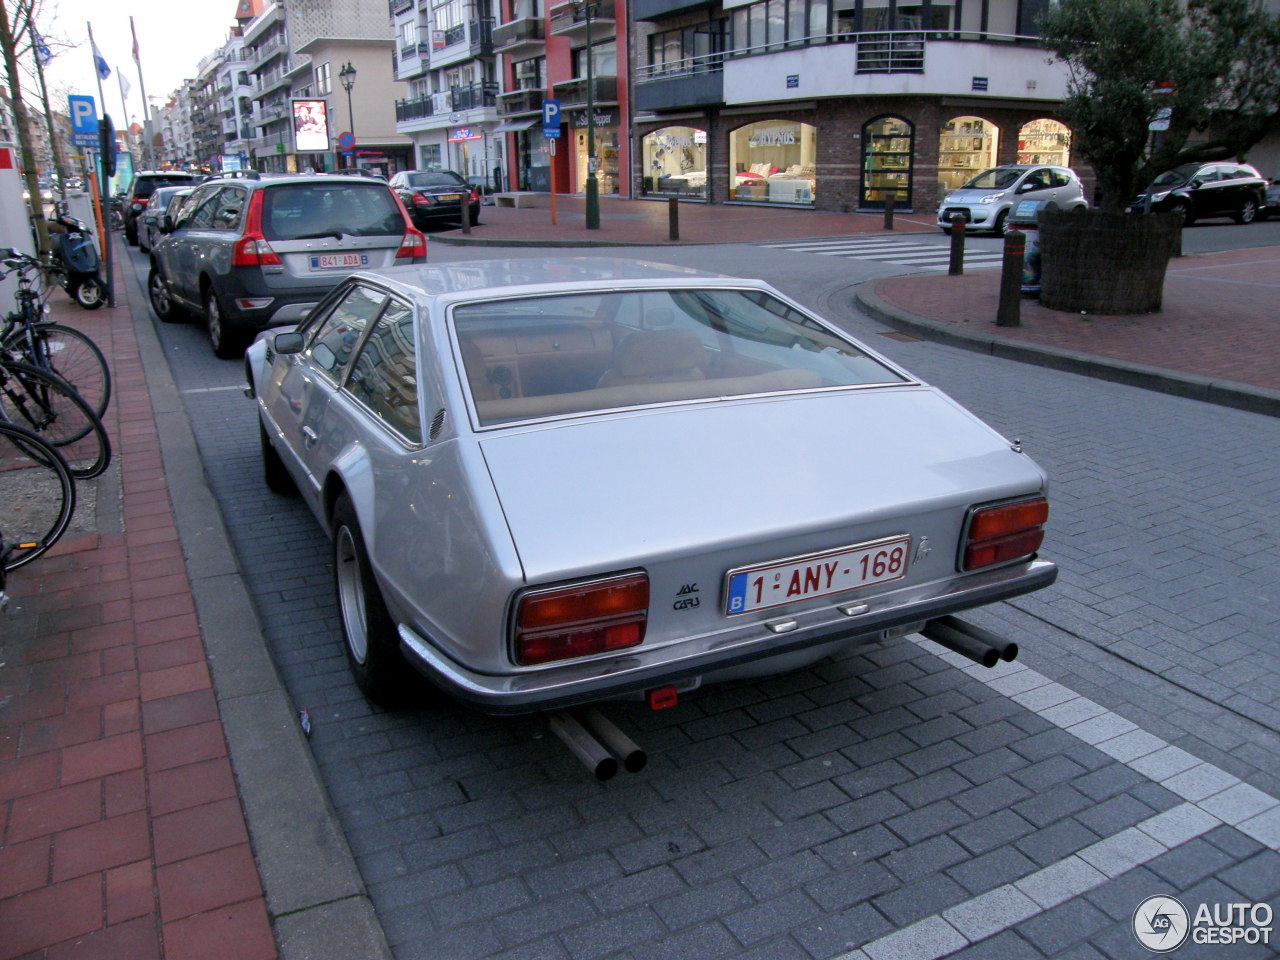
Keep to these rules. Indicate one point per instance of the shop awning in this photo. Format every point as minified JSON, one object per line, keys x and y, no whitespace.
{"x":515,"y":126}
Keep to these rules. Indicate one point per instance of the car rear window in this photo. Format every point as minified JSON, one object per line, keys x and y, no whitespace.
{"x":299,"y":211}
{"x":146,"y":186}
{"x":546,"y":356}
{"x":434,"y":179}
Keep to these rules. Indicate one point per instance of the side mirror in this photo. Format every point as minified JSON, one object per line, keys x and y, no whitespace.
{"x":166,"y":223}
{"x":1194,"y":185}
{"x":287,"y":343}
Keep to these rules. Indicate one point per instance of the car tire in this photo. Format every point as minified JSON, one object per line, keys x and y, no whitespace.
{"x":1248,"y":211}
{"x":130,"y":234}
{"x":162,"y":301}
{"x":274,"y":472}
{"x":89,"y":293}
{"x":225,"y":340}
{"x":1184,"y":209}
{"x":1001,"y":217}
{"x":368,"y":632}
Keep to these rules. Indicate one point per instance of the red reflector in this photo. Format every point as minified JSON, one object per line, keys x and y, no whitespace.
{"x":660,"y":698}
{"x":1008,"y":518}
{"x":986,"y":552}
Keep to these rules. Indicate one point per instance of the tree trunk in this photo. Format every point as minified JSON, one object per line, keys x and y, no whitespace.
{"x":20,"y":120}
{"x":1105,"y":262}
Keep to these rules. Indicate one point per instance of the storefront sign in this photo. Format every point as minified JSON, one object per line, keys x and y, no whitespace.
{"x":775,"y":137}
{"x":437,"y":40}
{"x":793,"y":81}
{"x":464,"y":133}
{"x":604,"y":118}
{"x":979,"y":85}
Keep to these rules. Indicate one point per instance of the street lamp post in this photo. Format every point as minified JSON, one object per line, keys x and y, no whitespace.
{"x":593,"y":186}
{"x":348,"y":77}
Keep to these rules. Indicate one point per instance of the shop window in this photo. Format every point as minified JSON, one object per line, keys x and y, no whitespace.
{"x":1044,"y":141}
{"x":888,"y":145}
{"x":774,"y":161}
{"x":966,"y":147}
{"x":675,"y":162}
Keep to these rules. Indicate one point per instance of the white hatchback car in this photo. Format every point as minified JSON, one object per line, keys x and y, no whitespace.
{"x":986,"y":201}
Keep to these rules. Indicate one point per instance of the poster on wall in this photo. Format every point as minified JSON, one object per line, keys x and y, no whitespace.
{"x":310,"y":126}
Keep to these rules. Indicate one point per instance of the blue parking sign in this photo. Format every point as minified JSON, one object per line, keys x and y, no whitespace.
{"x":84,"y":120}
{"x":551,"y":118}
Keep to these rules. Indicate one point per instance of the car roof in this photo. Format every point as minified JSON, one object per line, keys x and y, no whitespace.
{"x":464,"y":280}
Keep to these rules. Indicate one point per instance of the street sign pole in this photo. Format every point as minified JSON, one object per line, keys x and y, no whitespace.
{"x":551,"y":133}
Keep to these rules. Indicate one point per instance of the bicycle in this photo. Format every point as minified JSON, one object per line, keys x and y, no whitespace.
{"x":41,"y":402}
{"x":30,"y":337}
{"x":38,"y":494}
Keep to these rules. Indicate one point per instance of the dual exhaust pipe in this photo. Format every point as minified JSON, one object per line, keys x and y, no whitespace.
{"x":979,"y":645}
{"x":595,"y":741}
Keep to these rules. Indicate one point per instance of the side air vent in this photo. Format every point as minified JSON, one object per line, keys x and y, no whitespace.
{"x":437,"y":424}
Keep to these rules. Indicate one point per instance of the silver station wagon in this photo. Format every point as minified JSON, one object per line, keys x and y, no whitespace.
{"x":556,"y":481}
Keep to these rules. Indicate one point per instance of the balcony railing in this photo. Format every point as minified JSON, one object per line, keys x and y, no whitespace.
{"x":517,"y":36}
{"x":481,"y":32}
{"x":707,"y":63}
{"x":455,"y":34}
{"x":417,"y":109}
{"x":574,"y":92}
{"x":400,"y":6}
{"x":516,"y":102}
{"x":474,"y":95}
{"x":570,"y":19}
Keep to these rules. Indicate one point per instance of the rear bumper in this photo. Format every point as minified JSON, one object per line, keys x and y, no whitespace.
{"x":640,"y":670}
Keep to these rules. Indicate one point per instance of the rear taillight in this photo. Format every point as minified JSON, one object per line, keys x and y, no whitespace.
{"x":582,"y":619}
{"x":423,"y":200}
{"x":252,"y":249}
{"x":474,"y":197}
{"x":1004,"y":532}
{"x":414,"y":245}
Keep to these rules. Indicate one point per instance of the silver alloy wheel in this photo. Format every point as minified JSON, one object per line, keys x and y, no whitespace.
{"x":214,"y":314}
{"x":1248,"y":211}
{"x":160,"y":294}
{"x":351,"y":594}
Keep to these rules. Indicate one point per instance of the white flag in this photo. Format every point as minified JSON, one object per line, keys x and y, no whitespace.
{"x":124,"y":84}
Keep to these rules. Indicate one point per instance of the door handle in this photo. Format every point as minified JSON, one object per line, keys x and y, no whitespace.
{"x":309,"y":437}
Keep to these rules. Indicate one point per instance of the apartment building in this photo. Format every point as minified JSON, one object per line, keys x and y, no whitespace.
{"x":234,"y":103}
{"x":838,"y":104}
{"x":444,"y":58}
{"x":286,"y":66}
{"x":548,"y":48}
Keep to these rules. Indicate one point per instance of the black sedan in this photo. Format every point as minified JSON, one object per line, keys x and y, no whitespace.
{"x":433,"y":197}
{"x":1201,"y":190}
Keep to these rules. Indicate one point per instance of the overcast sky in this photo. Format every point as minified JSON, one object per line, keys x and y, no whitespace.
{"x":173,"y":37}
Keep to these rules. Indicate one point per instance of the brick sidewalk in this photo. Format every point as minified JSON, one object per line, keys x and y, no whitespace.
{"x":121,"y":831}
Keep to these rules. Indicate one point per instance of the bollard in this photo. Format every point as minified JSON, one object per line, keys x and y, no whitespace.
{"x":888,"y":210}
{"x":673,"y":219}
{"x":956,"y":265}
{"x":1007,"y":313}
{"x":466,"y":212}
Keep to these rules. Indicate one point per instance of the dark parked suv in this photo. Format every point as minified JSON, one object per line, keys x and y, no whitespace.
{"x":145,"y":183}
{"x":247,"y":254}
{"x":1202,"y":190}
{"x":433,"y":197}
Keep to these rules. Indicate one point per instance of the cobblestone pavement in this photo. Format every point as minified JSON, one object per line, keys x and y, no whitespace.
{"x":889,"y":803}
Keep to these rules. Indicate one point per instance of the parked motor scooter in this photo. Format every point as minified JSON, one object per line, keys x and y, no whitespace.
{"x":75,"y":259}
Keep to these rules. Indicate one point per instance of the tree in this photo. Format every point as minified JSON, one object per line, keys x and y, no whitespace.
{"x":1220,"y":60}
{"x":15,"y":38}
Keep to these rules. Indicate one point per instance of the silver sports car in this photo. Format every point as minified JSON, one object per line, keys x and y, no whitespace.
{"x":555,"y":481}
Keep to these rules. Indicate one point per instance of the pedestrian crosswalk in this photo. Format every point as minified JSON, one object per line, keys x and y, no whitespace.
{"x":901,"y":251}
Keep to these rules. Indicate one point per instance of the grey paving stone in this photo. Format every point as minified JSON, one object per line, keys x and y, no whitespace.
{"x":920,"y":791}
{"x":1053,"y":804}
{"x":1064,"y":925}
{"x":837,"y":933}
{"x":1053,"y":843}
{"x":992,"y":869}
{"x":927,"y":857}
{"x":514,"y":859}
{"x":868,"y":780}
{"x":1178,"y":825}
{"x":541,"y":919}
{"x":1163,"y":764}
{"x":987,"y":766}
{"x":1005,"y":946}
{"x":1107,"y":782}
{"x":1121,"y":852}
{"x":545,"y":949}
{"x":807,"y":800}
{"x":651,"y":851}
{"x":1047,"y":743}
{"x":1258,"y":878}
{"x":721,"y":860}
{"x":989,"y":737}
{"x":707,"y":940}
{"x":855,"y":848}
{"x":702,"y":904}
{"x":787,"y":873}
{"x":1112,"y":816}
{"x":1060,"y":881}
{"x":928,"y":821}
{"x":600,"y":938}
{"x":796,"y":835}
{"x":1047,"y":773}
{"x":998,"y":794}
{"x":634,"y":889}
{"x":1265,"y":827}
{"x":876,"y":808}
{"x":919,"y":899}
{"x":1200,"y":782}
{"x":771,"y":917}
{"x":994,"y":830}
{"x":852,"y":885}
{"x":924,"y":940}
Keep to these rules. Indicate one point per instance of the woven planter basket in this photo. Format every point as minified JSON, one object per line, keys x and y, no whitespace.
{"x":1105,"y":262}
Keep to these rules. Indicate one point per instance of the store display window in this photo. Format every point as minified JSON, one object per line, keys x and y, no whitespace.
{"x":675,"y":162}
{"x":1044,"y":141}
{"x":966,"y":147}
{"x":774,"y":161}
{"x":888,"y":146}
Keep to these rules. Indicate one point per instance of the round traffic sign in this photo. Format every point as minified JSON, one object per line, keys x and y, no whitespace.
{"x":346,"y":140}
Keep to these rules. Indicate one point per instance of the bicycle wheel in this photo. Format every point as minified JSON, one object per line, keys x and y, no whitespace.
{"x":44,"y":404}
{"x":69,"y":355}
{"x":37,"y":496}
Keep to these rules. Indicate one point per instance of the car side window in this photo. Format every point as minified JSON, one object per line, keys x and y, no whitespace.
{"x":195,"y":203}
{"x":1060,"y":178}
{"x":384,"y":376}
{"x":335,"y":339}
{"x":228,"y":208}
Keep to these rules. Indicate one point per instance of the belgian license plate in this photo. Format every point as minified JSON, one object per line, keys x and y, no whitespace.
{"x":329,"y":261}
{"x":816,"y":575}
{"x":449,"y":196}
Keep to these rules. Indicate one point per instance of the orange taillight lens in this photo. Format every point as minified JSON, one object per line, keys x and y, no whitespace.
{"x":1004,"y":532}
{"x":581,"y":619}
